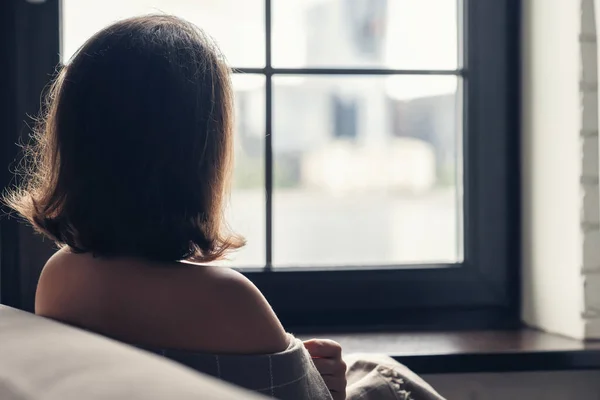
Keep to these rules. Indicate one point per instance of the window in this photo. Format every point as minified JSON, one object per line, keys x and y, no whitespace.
{"x":344,"y":117}
{"x":376,"y":177}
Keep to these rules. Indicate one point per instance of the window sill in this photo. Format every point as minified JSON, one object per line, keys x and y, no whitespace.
{"x":522,"y":350}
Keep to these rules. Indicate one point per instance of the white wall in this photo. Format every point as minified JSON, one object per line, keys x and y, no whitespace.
{"x":590,"y":165}
{"x":560,"y":171}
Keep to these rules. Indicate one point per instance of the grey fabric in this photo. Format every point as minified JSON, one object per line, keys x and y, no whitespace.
{"x":289,"y":375}
{"x":45,"y":360}
{"x":10,"y":391}
{"x":376,"y":376}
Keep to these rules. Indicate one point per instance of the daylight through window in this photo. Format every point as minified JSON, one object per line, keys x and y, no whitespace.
{"x":352,"y":110}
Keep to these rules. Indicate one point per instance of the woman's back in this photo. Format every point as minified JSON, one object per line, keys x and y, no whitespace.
{"x":130,"y":170}
{"x":209,"y":318}
{"x":177,"y":306}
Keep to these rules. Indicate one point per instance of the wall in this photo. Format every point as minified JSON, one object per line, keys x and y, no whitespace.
{"x":590,"y":166}
{"x":553,"y":136}
{"x":561,"y":224}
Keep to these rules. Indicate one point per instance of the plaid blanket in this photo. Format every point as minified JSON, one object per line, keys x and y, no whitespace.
{"x":292,"y":375}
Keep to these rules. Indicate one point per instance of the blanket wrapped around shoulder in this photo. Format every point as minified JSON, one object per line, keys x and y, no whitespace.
{"x":376,"y":376}
{"x":292,"y":375}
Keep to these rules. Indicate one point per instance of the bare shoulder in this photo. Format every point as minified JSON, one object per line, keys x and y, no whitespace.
{"x":243,"y":319}
{"x":53,"y":275}
{"x":56,"y":262}
{"x":57,"y":286}
{"x":183,"y":306}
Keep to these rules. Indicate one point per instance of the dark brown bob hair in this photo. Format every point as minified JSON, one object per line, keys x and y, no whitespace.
{"x":133,"y":153}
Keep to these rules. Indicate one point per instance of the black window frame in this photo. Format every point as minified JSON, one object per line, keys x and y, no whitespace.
{"x":481,"y":292}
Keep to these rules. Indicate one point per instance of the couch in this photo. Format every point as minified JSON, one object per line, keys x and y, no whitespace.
{"x":42,"y":359}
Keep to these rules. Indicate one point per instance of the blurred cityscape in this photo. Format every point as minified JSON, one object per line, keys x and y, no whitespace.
{"x":366,"y":168}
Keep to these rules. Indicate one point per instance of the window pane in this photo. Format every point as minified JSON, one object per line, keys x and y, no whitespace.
{"x":237,"y":25}
{"x":246,"y":212}
{"x":403,"y":34}
{"x":366,"y":170}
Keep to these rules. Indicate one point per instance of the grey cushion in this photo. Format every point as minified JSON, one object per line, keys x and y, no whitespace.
{"x":44,"y":360}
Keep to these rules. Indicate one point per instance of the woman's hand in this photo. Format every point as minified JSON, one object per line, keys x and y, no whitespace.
{"x":327,"y":356}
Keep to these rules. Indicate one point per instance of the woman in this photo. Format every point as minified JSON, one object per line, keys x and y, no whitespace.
{"x":130,"y":170}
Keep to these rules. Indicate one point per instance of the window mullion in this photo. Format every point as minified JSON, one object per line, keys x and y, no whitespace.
{"x":268,"y":140}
